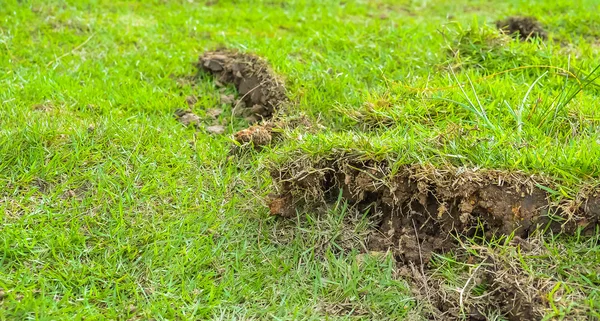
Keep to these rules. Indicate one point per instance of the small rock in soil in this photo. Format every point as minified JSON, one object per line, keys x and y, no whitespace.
{"x":187,"y":118}
{"x":227,"y":99}
{"x":216,"y":129}
{"x":214,"y":112}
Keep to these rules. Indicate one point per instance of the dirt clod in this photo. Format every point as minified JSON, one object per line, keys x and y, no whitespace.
{"x":257,"y":135}
{"x":261,"y":91}
{"x":525,"y":28}
{"x":187,"y":117}
{"x":191,"y":100}
{"x":215,"y":129}
{"x":282,"y":206}
{"x":227,"y":99}
{"x":252,"y":119}
{"x":214,"y":112}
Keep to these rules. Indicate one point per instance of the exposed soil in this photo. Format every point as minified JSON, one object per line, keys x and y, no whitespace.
{"x":525,"y":28}
{"x":214,"y":112}
{"x":423,"y":210}
{"x":261,"y":91}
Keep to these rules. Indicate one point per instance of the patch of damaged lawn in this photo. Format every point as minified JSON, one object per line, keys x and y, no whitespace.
{"x":112,"y":209}
{"x":524,"y":28}
{"x":261,"y":101}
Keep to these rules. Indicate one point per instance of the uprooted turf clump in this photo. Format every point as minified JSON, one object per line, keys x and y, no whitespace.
{"x":261,"y":91}
{"x":422,"y":209}
{"x":525,"y":28}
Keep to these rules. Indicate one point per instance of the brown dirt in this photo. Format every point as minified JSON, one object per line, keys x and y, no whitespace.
{"x":261,"y":91}
{"x":214,"y":113}
{"x":267,"y":132}
{"x":227,"y":99}
{"x":255,"y":135}
{"x":281,"y":205}
{"x":424,"y":207}
{"x":525,"y":28}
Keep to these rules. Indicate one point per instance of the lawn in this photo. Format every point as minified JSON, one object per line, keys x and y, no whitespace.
{"x":110,"y":208}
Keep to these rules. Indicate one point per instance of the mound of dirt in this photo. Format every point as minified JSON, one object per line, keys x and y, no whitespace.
{"x":423,"y":210}
{"x":261,"y":91}
{"x":525,"y":28}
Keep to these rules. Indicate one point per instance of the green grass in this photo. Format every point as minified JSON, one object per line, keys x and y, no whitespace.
{"x":110,"y":209}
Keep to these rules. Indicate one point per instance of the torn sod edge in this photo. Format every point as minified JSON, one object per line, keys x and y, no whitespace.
{"x":440,"y":201}
{"x":422,"y":209}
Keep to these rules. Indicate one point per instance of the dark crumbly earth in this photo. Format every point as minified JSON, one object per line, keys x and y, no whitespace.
{"x":424,"y":210}
{"x":525,"y":28}
{"x":261,"y":91}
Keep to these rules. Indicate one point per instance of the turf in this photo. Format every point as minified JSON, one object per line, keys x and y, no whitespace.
{"x":111,"y":209}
